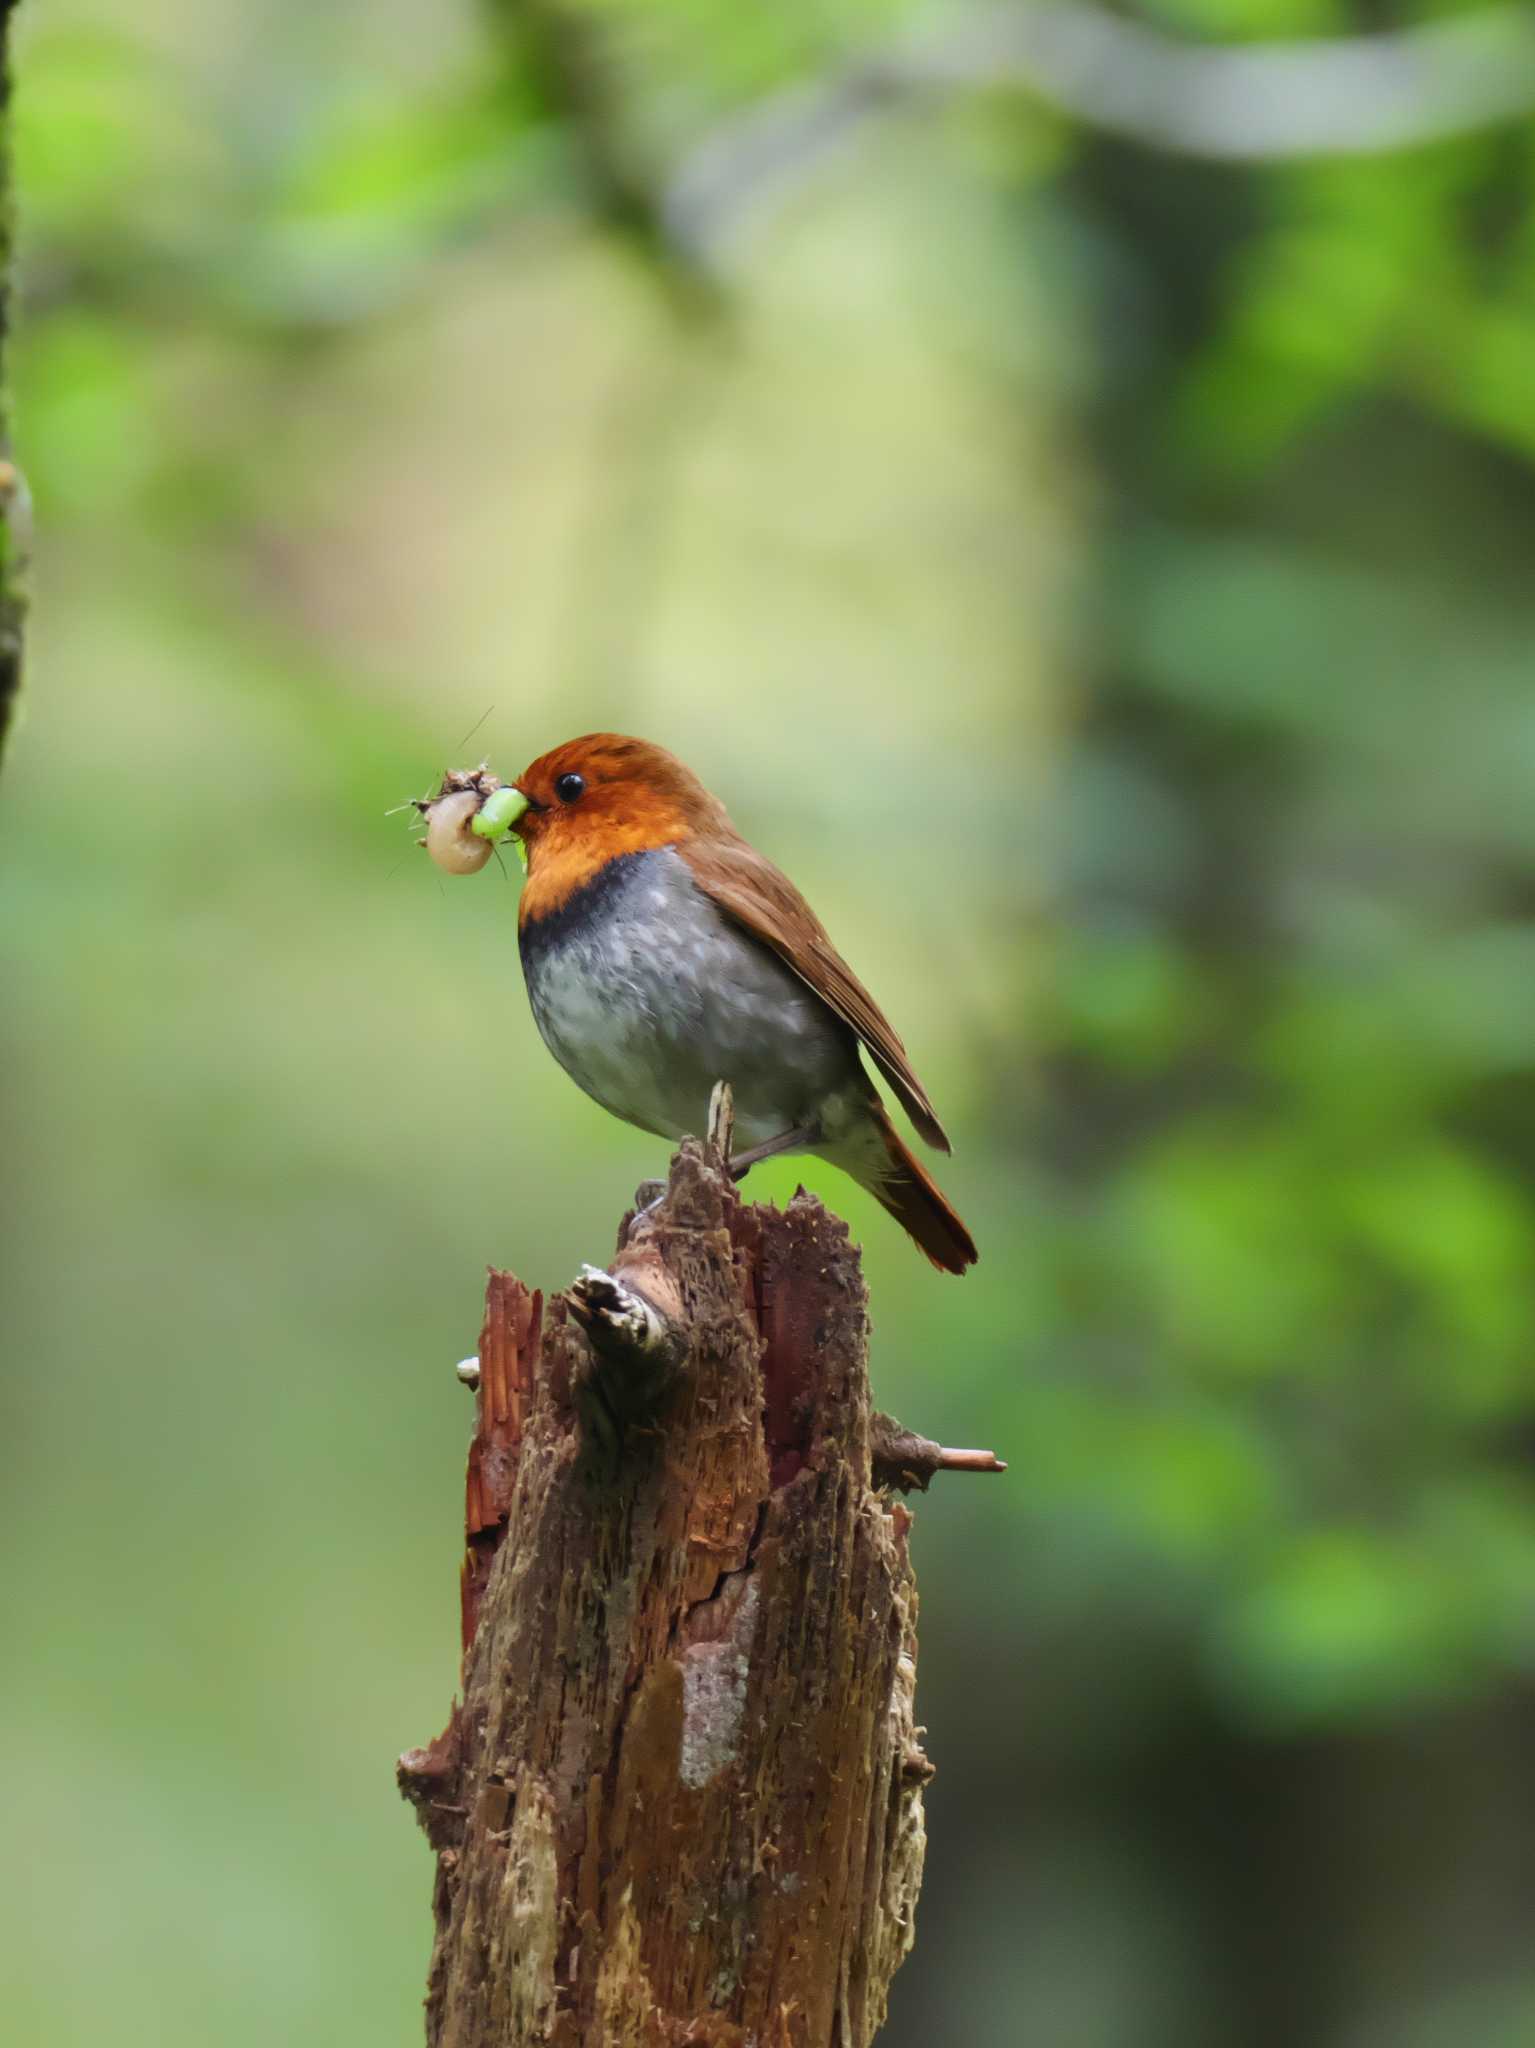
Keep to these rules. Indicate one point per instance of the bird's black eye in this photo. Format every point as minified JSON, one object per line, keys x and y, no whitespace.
{"x":569,"y":787}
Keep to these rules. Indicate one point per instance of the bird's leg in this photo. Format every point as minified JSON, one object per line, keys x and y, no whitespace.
{"x":722,"y":1119}
{"x":786,"y":1141}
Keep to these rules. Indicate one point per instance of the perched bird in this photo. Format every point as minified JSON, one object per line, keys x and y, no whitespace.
{"x":662,"y":953}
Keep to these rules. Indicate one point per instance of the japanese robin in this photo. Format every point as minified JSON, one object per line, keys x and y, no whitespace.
{"x":662,"y":953}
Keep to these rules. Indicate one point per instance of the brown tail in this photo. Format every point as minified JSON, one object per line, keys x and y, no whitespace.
{"x":916,"y":1202}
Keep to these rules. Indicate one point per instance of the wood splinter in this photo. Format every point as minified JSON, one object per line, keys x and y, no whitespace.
{"x":722,"y":1122}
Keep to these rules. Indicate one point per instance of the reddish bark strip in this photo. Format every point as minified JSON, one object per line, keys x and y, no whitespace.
{"x":509,"y":1346}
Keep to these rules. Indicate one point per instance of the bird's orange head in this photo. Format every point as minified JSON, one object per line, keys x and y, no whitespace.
{"x":595,"y":798}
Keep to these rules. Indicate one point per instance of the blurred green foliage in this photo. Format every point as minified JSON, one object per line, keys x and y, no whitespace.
{"x":1102,"y":578}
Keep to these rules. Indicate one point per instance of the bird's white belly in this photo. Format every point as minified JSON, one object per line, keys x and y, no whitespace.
{"x":654,"y":996}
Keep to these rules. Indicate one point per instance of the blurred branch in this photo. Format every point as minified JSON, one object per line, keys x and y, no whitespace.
{"x":563,"y":50}
{"x":1347,"y":95}
{"x":567,"y":52}
{"x":14,"y":519}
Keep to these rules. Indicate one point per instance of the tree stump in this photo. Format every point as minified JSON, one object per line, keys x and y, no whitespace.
{"x":681,"y":1801}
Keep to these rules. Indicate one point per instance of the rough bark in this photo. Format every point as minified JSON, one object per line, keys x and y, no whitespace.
{"x":681,"y":1801}
{"x":14,"y":507}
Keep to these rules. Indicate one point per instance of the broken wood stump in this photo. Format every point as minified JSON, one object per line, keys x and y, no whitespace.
{"x":681,"y":1799}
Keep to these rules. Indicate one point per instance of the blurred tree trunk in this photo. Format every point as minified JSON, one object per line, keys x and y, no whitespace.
{"x":13,"y":504}
{"x":681,"y":1801}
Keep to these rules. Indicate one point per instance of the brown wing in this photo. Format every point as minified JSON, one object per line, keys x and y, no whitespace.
{"x":767,"y":904}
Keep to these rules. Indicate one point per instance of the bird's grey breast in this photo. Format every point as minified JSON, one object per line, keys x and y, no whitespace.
{"x":647,"y":995}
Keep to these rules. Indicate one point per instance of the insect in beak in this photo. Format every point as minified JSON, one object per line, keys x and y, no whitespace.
{"x":468,"y":820}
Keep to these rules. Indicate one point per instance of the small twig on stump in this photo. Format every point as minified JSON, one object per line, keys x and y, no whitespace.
{"x":906,"y":1461}
{"x":636,"y":1352}
{"x":682,"y":1799}
{"x":620,"y":1324}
